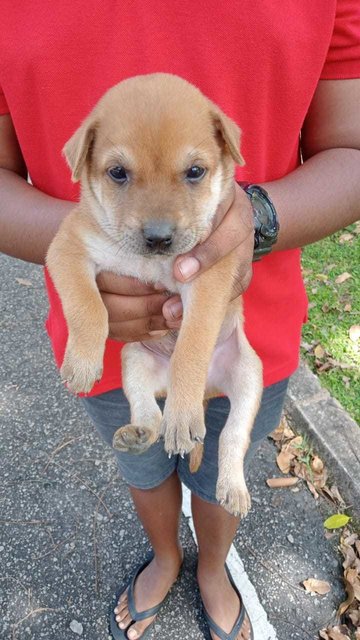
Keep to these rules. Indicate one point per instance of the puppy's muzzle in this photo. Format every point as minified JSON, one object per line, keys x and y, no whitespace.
{"x":158,"y":236}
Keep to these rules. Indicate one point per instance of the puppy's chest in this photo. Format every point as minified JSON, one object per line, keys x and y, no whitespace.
{"x":154,"y":269}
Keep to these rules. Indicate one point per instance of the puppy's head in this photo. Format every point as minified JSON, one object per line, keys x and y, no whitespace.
{"x":155,"y":158}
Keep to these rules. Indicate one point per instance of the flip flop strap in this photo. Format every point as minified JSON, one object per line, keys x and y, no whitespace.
{"x":140,"y":615}
{"x":220,"y":632}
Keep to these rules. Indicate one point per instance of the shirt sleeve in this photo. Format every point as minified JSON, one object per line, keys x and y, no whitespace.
{"x":343,"y":59}
{"x":4,"y":109}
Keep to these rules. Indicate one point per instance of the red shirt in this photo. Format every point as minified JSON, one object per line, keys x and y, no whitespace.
{"x":259,"y":63}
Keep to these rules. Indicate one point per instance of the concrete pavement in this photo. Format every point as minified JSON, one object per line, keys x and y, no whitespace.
{"x":68,"y":533}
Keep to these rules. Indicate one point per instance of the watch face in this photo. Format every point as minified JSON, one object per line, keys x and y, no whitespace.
{"x":265,"y":216}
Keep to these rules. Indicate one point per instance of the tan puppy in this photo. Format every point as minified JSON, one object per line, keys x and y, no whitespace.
{"x":155,"y":159}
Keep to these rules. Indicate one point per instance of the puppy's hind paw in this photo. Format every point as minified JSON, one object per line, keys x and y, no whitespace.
{"x":235,"y":499}
{"x":133,"y":439}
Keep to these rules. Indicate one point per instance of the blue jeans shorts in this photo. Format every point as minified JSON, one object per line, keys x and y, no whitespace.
{"x":110,"y":410}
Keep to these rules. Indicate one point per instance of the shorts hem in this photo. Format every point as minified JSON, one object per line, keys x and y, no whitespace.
{"x":197,"y":492}
{"x":149,"y":485}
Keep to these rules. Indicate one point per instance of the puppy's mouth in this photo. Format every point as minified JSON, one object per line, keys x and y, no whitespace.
{"x":131,"y":242}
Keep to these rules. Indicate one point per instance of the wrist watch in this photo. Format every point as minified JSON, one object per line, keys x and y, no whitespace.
{"x":266,"y":224}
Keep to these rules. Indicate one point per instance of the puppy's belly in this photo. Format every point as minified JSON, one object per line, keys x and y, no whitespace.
{"x":223,"y":360}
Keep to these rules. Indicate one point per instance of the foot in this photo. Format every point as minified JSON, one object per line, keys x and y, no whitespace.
{"x":222,"y":603}
{"x":133,"y":439}
{"x":151,"y":587}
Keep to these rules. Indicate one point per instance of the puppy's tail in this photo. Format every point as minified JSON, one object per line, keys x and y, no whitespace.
{"x":196,"y":455}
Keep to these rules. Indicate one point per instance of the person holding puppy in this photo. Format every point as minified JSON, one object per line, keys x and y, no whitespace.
{"x":276,"y":80}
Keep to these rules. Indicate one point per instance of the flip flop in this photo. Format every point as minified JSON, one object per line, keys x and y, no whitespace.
{"x":121,"y":634}
{"x":238,"y":623}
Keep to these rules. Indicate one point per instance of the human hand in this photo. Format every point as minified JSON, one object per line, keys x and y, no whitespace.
{"x":233,"y":229}
{"x":134,"y":308}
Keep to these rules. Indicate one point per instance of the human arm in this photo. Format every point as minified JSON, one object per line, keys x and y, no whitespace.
{"x":319,"y":197}
{"x":29,"y":220}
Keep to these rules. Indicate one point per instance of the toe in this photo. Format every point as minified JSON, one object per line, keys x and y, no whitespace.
{"x":136,"y":630}
{"x":123,"y":621}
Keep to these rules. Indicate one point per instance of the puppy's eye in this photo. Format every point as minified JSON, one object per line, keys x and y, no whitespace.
{"x":195,"y":173}
{"x":118,"y":174}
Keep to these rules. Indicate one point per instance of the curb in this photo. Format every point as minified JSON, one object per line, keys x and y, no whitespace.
{"x":333,"y":431}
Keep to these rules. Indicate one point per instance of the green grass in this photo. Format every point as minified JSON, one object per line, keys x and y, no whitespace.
{"x":334,"y":309}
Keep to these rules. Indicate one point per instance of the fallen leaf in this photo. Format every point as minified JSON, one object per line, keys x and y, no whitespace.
{"x":317,"y":464}
{"x":343,"y":277}
{"x":336,"y":634}
{"x":354,"y":332}
{"x":352,"y":576}
{"x":312,"y":489}
{"x":294,"y":446}
{"x":355,"y":619}
{"x":284,"y":460}
{"x":349,"y":600}
{"x":25,"y":283}
{"x":336,"y":521}
{"x":319,"y":351}
{"x":347,"y":307}
{"x":334,"y":495}
{"x":346,"y":237}
{"x":316,"y":586}
{"x":277,"y":483}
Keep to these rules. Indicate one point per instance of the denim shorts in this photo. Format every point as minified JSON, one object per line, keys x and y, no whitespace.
{"x":110,"y":410}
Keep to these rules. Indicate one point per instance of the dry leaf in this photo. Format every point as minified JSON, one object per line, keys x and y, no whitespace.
{"x":334,"y":495}
{"x":294,"y":446}
{"x":312,"y":489}
{"x":346,"y":237}
{"x":349,"y":600}
{"x":347,"y":307}
{"x":336,"y":633}
{"x":319,"y":351}
{"x":317,"y":464}
{"x":278,"y":434}
{"x":25,"y":283}
{"x":354,"y":332}
{"x":343,"y":277}
{"x":284,"y":460}
{"x":316,"y":586}
{"x":277,"y":483}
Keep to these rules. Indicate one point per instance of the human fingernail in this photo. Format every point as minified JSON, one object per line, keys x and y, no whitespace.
{"x":158,"y":333}
{"x":173,"y":310}
{"x":188,"y":267}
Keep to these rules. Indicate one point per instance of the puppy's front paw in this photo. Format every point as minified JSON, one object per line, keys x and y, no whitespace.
{"x":133,"y":439}
{"x":182,"y":428}
{"x":80,"y":373}
{"x":233,"y":496}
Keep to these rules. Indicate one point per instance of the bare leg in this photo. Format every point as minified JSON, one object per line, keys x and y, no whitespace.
{"x":159,"y":511}
{"x":215,"y":530}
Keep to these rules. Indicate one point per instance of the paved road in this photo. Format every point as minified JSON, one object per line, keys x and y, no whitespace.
{"x":68,"y":533}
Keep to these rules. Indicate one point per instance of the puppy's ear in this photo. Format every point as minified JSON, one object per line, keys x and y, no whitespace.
{"x":78,"y":148}
{"x":230,"y":135}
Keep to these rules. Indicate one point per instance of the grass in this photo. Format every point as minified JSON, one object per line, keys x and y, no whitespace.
{"x":331,"y":349}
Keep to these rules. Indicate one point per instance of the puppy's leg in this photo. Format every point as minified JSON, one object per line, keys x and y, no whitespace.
{"x":205,"y":302}
{"x":144,"y":377}
{"x":237,"y":371}
{"x":73,"y":274}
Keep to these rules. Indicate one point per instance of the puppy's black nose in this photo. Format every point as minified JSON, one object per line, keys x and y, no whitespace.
{"x":158,"y":235}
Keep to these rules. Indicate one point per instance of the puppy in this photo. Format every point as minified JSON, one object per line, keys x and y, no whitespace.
{"x":155,"y":158}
